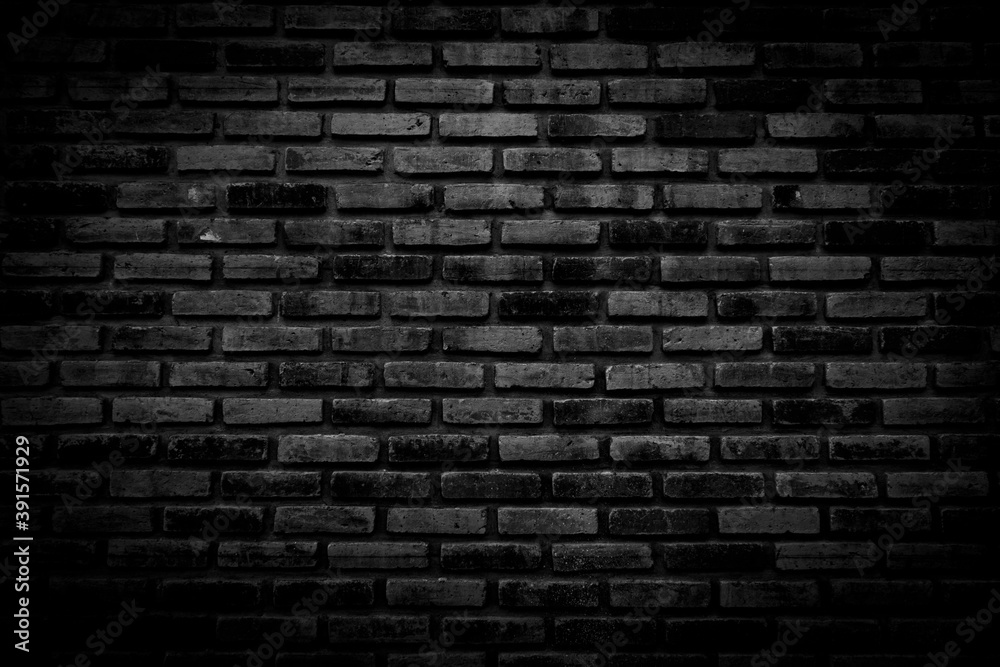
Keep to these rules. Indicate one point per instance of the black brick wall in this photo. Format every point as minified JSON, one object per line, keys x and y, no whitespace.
{"x":529,"y":336}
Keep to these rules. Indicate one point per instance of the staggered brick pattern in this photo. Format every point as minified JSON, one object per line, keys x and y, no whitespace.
{"x":523,"y":336}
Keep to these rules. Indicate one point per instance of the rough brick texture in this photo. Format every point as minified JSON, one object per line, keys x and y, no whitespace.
{"x":551,"y":334}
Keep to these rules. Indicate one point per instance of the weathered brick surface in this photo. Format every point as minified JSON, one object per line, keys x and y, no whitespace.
{"x":538,"y":334}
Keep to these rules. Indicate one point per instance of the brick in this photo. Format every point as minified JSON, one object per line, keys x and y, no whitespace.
{"x":525,"y":92}
{"x":923,"y":126}
{"x":484,"y":55}
{"x":776,"y":375}
{"x":453,"y":92}
{"x":390,"y":410}
{"x":167,"y":339}
{"x":272,"y":410}
{"x":382,"y":54}
{"x":694,"y":54}
{"x":319,"y":90}
{"x":411,"y":304}
{"x":771,"y":232}
{"x":602,"y":485}
{"x":227,"y":89}
{"x":713,"y":485}
{"x":823,"y":411}
{"x":497,"y":268}
{"x":415,"y":448}
{"x":109,"y":373}
{"x":439,"y":374}
{"x":324,"y":374}
{"x":632,"y":270}
{"x":657,"y":232}
{"x":659,"y":160}
{"x":543,"y":376}
{"x":659,"y":448}
{"x":378,"y":555}
{"x":162,"y":410}
{"x":709,"y":269}
{"x":620,"y":197}
{"x":227,"y":231}
{"x":443,"y":521}
{"x":51,"y":265}
{"x":380,"y":339}
{"x":769,"y":520}
{"x":550,"y":521}
{"x":816,"y":197}
{"x":497,"y":340}
{"x":653,"y":376}
{"x":492,"y":197}
{"x":440,"y":19}
{"x":491,"y":411}
{"x":592,"y":125}
{"x":380,"y":124}
{"x":441,"y":592}
{"x":767,"y":161}
{"x":610,"y":411}
{"x":845,"y":375}
{"x":574,"y":57}
{"x":290,"y":196}
{"x":798,"y":269}
{"x":266,"y":339}
{"x":873,"y":91}
{"x":659,"y":92}
{"x":700,"y":411}
{"x":745,"y":305}
{"x":712,"y":196}
{"x":381,"y":267}
{"x":897,"y":411}
{"x":757,"y":594}
{"x":312,"y":519}
{"x":442,"y":160}
{"x":547,"y":448}
{"x":549,"y":20}
{"x":217,"y":448}
{"x":310,"y":18}
{"x":216,"y":158}
{"x":329,"y":234}
{"x":490,"y":485}
{"x":825,"y":485}
{"x":272,"y":56}
{"x":441,"y":232}
{"x":657,"y":304}
{"x":826,"y":339}
{"x":761,"y":93}
{"x":239,"y":18}
{"x":802,"y":55}
{"x":550,"y":232}
{"x":228,"y":303}
{"x":690,"y":126}
{"x":814,"y":125}
{"x":326,"y":304}
{"x":606,"y":556}
{"x":380,"y":485}
{"x":488,"y":125}
{"x":308,"y":449}
{"x":925,"y":55}
{"x":490,"y":556}
{"x":67,"y":197}
{"x":529,"y":593}
{"x":50,"y":411}
{"x":875,"y":448}
{"x":551,"y":160}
